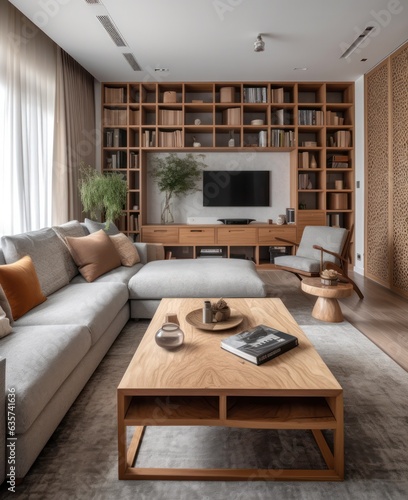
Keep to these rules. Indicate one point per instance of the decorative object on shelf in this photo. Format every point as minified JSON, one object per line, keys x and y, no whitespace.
{"x":281,"y":219}
{"x":220,"y":311}
{"x":338,"y":184}
{"x":169,"y":336}
{"x":329,"y":277}
{"x":196,"y":144}
{"x":207,"y":313}
{"x":195,"y":318}
{"x":313,"y":162}
{"x":197,"y":121}
{"x":231,"y":142}
{"x":257,"y":122}
{"x":290,"y":215}
{"x":169,"y":97}
{"x":176,"y":176}
{"x":263,"y":138}
{"x":102,"y":194}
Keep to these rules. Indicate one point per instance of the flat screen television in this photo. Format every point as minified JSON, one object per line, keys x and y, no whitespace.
{"x":233,"y":188}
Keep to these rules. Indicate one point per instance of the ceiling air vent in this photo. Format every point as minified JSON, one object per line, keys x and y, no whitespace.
{"x":130,"y":58}
{"x":93,"y":1}
{"x":113,"y":32}
{"x":359,"y":40}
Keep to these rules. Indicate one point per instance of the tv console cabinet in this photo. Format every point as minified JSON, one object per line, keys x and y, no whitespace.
{"x":249,"y":241}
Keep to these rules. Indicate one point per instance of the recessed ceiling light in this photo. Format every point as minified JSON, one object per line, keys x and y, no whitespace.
{"x":299,"y":69}
{"x":364,"y":60}
{"x":161,"y":69}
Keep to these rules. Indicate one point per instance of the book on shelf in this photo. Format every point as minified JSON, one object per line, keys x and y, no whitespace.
{"x":310,"y":117}
{"x":278,"y":95}
{"x":114,"y":116}
{"x":115,"y":94}
{"x":231,"y":116}
{"x":255,"y":94}
{"x":338,"y":161}
{"x":259,"y":344}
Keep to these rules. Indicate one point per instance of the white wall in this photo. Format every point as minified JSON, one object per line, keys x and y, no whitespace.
{"x":359,"y":172}
{"x":192,"y":205}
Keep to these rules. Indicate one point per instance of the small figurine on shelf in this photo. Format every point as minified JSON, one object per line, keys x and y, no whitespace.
{"x":196,"y":144}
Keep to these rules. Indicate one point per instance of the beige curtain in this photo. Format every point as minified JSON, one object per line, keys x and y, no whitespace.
{"x":76,"y":137}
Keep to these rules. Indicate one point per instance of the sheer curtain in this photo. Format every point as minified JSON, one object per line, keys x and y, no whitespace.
{"x":27,"y":111}
{"x":47,"y":127}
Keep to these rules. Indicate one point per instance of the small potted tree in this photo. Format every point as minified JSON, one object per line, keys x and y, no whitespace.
{"x":176,"y":176}
{"x":102,"y":194}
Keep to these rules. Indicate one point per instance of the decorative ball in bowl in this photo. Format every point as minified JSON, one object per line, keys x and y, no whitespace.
{"x":220,"y":311}
{"x":329,"y":277}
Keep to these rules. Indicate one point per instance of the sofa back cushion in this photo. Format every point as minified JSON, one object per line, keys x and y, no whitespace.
{"x":94,"y":254}
{"x":47,"y":253}
{"x":21,"y":286}
{"x":94,"y":226}
{"x":75,"y":229}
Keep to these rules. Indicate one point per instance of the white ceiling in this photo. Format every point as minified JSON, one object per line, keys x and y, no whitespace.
{"x":212,"y":40}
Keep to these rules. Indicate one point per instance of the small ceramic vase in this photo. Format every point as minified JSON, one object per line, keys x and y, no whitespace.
{"x":169,"y":336}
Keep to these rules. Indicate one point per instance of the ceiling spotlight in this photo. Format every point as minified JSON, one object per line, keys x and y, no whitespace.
{"x":259,"y":44}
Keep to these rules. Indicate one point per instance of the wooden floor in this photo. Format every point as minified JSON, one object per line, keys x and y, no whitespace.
{"x":382,"y":316}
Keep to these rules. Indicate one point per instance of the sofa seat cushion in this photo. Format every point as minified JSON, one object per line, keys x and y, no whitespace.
{"x":39,"y":359}
{"x":302,"y":263}
{"x":94,"y":305}
{"x":47,"y":252}
{"x":197,"y":278}
{"x":121,"y":274}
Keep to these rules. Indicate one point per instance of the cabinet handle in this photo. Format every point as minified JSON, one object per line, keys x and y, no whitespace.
{"x":160,"y":230}
{"x":196,"y":230}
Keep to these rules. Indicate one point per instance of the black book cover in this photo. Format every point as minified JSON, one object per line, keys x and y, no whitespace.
{"x":260,"y":344}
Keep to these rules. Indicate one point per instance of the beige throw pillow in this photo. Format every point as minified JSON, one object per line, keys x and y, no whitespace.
{"x":94,"y":254}
{"x":129,"y":256}
{"x":5,"y":327}
{"x":4,"y":304}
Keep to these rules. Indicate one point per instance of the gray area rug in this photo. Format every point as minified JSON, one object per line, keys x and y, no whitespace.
{"x":80,"y":460}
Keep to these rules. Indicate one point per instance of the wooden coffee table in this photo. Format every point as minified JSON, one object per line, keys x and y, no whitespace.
{"x":202,"y":384}
{"x":327,"y":307}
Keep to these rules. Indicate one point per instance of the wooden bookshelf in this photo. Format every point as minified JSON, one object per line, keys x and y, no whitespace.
{"x":314,"y":122}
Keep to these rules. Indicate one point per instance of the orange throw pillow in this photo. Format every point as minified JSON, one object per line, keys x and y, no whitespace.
{"x":21,"y":286}
{"x":94,"y":254}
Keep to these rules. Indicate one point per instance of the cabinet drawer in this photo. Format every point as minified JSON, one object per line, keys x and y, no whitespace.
{"x":197,"y":235}
{"x":160,"y":234}
{"x":269,"y":235}
{"x":237,"y":235}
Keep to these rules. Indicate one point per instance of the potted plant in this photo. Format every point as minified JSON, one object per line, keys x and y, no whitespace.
{"x":176,"y":176}
{"x":102,"y":194}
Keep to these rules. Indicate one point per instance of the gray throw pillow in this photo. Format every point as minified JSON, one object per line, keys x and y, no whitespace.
{"x":94,"y":226}
{"x":47,"y":253}
{"x":74,"y":229}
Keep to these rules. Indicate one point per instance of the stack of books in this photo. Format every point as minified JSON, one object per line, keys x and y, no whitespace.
{"x":255,"y":94}
{"x":334,"y":118}
{"x":114,"y":94}
{"x":170,"y":117}
{"x":114,"y":116}
{"x":277,"y":95}
{"x":338,"y":161}
{"x":282,"y":138}
{"x":172,"y":139}
{"x":310,"y":117}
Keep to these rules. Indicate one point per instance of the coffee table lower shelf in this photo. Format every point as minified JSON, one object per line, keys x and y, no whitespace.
{"x":312,"y":412}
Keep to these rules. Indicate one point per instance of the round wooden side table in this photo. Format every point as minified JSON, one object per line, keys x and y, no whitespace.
{"x":327,"y":307}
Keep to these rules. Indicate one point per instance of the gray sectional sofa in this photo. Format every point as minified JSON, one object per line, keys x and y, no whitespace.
{"x":55,"y":347}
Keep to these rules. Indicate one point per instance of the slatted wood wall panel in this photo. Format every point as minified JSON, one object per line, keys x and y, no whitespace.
{"x":377,"y":263}
{"x":399,"y":145}
{"x":386,"y":246}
